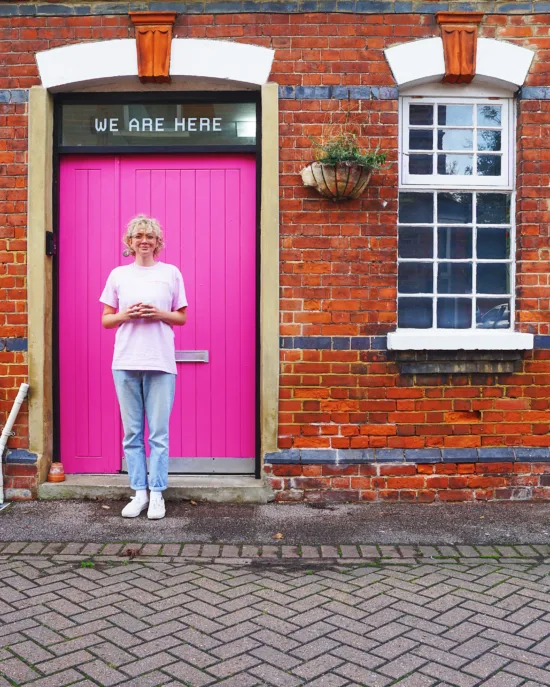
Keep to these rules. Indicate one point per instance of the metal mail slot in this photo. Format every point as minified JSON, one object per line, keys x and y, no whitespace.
{"x":191,"y":356}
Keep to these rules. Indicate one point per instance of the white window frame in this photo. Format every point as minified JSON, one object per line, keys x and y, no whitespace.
{"x":504,"y":180}
{"x":435,"y":338}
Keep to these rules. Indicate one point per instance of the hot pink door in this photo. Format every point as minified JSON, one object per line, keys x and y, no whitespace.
{"x":206,"y":205}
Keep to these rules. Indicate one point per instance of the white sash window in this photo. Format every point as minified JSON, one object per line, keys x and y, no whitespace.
{"x":456,"y":215}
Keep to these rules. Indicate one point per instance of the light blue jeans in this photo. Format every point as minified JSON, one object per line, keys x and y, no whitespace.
{"x":145,"y":393}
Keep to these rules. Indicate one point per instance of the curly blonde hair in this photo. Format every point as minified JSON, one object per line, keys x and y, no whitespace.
{"x":147,"y":224}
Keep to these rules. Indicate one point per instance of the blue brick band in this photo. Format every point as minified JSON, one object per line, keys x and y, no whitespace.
{"x":534,"y":92}
{"x":13,"y":344}
{"x":14,"y":95}
{"x":358,"y":343}
{"x":338,"y":92}
{"x":20,"y":455}
{"x":334,"y":343}
{"x":309,"y":456}
{"x":51,"y":9}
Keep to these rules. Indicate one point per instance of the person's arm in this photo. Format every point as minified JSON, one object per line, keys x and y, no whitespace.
{"x":110,"y":318}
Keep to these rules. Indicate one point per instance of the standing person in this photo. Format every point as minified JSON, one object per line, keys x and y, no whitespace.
{"x":145,"y":300}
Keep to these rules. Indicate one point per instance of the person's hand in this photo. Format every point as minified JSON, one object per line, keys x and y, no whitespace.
{"x":134,"y":311}
{"x":151,"y":312}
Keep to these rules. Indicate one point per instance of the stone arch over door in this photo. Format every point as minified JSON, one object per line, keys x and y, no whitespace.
{"x":109,"y":65}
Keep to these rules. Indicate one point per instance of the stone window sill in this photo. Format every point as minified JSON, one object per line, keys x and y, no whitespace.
{"x":457,"y":340}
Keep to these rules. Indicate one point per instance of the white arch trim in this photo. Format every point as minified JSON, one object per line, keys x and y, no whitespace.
{"x":104,"y":61}
{"x":499,"y":63}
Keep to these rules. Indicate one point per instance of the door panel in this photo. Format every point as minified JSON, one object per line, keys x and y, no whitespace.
{"x":206,"y":205}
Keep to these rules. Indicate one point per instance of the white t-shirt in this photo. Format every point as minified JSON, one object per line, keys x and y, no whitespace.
{"x":142,"y":344}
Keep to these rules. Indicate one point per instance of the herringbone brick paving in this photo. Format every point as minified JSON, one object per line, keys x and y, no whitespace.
{"x":144,"y":615}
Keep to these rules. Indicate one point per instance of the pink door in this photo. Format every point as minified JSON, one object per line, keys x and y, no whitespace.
{"x":206,"y":205}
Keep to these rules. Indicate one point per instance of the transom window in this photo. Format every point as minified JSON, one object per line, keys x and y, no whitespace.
{"x":456,"y":231}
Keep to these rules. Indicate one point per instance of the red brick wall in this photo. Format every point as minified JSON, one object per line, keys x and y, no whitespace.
{"x":338,"y":270}
{"x":410,"y":483}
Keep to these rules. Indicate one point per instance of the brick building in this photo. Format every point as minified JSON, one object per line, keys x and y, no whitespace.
{"x":392,"y":347}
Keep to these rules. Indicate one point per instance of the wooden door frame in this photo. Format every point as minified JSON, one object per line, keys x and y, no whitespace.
{"x":40,"y":275}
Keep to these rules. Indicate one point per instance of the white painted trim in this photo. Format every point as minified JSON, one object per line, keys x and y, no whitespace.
{"x":422,"y":61}
{"x":104,"y":61}
{"x":249,"y":64}
{"x":455,"y":340}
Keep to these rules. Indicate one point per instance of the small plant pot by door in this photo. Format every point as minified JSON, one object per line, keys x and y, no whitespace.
{"x":340,"y":181}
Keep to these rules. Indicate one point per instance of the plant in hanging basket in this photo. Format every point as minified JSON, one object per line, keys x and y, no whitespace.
{"x":342,"y":169}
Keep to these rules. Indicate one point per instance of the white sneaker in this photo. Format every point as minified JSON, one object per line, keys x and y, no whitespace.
{"x":138,"y":504}
{"x":157,"y":509}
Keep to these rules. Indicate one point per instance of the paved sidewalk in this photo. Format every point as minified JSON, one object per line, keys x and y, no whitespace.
{"x":207,"y":614}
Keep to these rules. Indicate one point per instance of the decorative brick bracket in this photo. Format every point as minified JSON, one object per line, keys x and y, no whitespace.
{"x":153,"y":42}
{"x":459,"y":34}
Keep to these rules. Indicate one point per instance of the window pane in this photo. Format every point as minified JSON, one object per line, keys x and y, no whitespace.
{"x":421,"y":114}
{"x":489,"y":115}
{"x":416,"y":208}
{"x":454,"y":277}
{"x":414,"y":313}
{"x":492,"y":313}
{"x":422,"y":139}
{"x":455,"y":242}
{"x":493,"y":244}
{"x":415,"y":243}
{"x":421,"y":164}
{"x":488,"y":140}
{"x":455,"y":115}
{"x":489,"y":165}
{"x":455,"y":164}
{"x":455,"y":139}
{"x":493,"y":278}
{"x":493,"y":208}
{"x":454,"y":208}
{"x":415,"y":277}
{"x":454,"y":313}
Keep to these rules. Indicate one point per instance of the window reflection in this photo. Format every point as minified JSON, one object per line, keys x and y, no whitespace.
{"x":455,"y":165}
{"x":454,"y":277}
{"x":492,"y":313}
{"x":454,"y":313}
{"x":454,"y":242}
{"x":415,"y":242}
{"x":457,"y":115}
{"x":416,"y":208}
{"x":454,"y":208}
{"x":415,"y":277}
{"x":414,"y":313}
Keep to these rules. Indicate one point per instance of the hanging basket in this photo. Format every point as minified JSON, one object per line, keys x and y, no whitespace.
{"x":340,"y":181}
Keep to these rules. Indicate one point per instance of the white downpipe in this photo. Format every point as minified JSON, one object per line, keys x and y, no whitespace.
{"x":6,"y":432}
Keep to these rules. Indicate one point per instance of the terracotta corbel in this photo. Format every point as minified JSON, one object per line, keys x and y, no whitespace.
{"x":459,"y":34}
{"x":153,"y":42}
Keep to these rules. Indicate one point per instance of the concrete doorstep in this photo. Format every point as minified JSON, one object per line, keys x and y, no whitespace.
{"x":213,"y":489}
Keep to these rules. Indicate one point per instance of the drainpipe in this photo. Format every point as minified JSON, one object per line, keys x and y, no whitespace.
{"x":7,"y":433}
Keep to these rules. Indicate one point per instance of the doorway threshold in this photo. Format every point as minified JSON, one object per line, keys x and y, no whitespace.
{"x":211,"y":488}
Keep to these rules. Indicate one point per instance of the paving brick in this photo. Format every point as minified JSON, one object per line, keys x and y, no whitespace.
{"x":65,"y":677}
{"x":485,"y":665}
{"x":273,"y":676}
{"x":504,"y":679}
{"x":188,"y":674}
{"x":362,"y":676}
{"x":450,"y":675}
{"x":102,"y":673}
{"x":17,"y":671}
{"x":31,"y":652}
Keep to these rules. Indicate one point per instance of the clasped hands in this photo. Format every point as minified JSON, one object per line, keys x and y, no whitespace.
{"x":146,"y":311}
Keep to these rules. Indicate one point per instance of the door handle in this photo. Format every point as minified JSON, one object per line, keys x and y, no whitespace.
{"x":191,"y":356}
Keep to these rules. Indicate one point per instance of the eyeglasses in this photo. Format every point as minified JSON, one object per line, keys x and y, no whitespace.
{"x":140,"y":237}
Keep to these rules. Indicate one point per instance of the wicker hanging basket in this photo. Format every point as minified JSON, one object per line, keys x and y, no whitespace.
{"x":340,"y":181}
